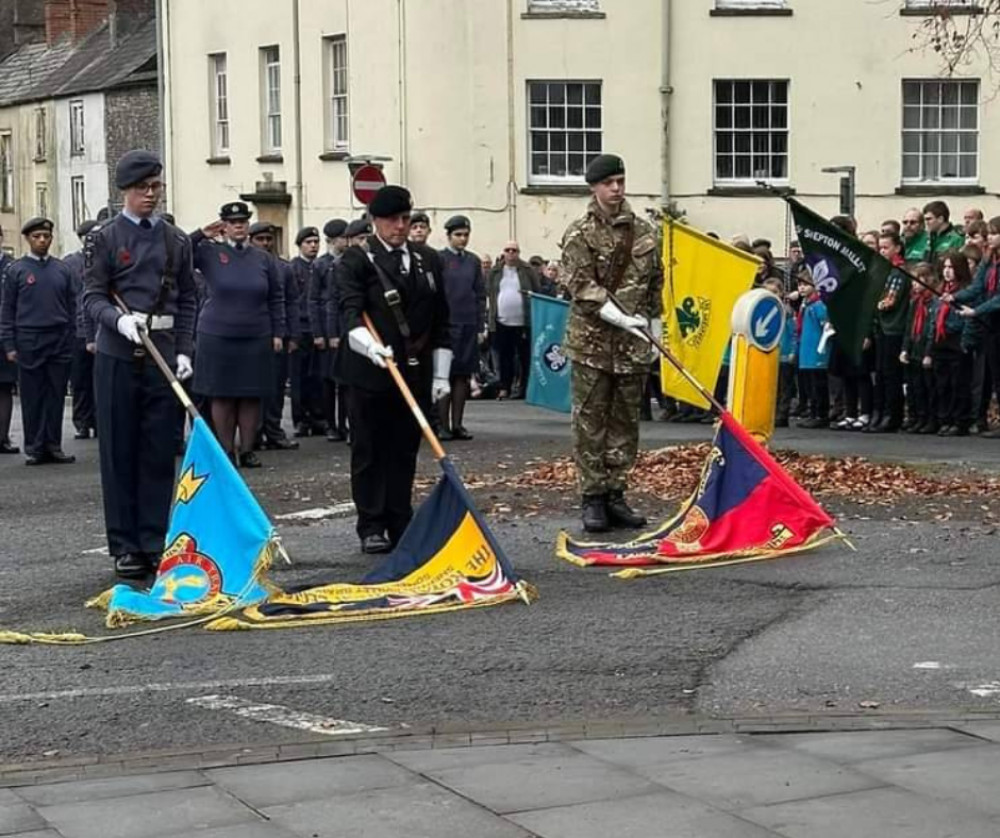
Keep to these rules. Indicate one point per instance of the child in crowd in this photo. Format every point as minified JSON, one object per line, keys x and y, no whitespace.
{"x":814,"y":352}
{"x":952,"y":366}
{"x":788,"y":355}
{"x":921,"y":415}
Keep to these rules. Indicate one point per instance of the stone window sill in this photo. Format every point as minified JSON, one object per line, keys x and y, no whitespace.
{"x":562,"y":15}
{"x":327,"y":156}
{"x":271,"y":158}
{"x":221,"y":160}
{"x":951,"y":11}
{"x":932,"y":189}
{"x":570,"y":189}
{"x":749,"y":191}
{"x":750,"y":11}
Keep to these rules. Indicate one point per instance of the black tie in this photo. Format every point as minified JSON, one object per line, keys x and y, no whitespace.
{"x":397,"y":261}
{"x":146,"y":224}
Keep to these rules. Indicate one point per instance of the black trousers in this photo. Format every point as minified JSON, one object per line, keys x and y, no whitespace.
{"x":305,"y":368}
{"x":787,"y":381}
{"x":82,"y":382}
{"x":43,"y":399}
{"x":513,"y":355}
{"x":136,"y":431}
{"x":385,"y":439}
{"x":953,"y":388}
{"x":819,"y":394}
{"x":920,"y":401}
{"x":335,"y":406}
{"x":273,"y":406}
{"x":890,"y":377}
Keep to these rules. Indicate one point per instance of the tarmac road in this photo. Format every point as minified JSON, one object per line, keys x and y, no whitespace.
{"x":907,"y":622}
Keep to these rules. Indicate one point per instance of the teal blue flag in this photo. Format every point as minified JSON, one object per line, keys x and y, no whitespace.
{"x":219,"y":544}
{"x":548,"y":384}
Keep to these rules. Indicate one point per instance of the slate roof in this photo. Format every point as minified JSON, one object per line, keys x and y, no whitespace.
{"x":37,"y":71}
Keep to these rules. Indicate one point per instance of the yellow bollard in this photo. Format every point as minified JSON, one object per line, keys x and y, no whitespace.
{"x":758,"y":323}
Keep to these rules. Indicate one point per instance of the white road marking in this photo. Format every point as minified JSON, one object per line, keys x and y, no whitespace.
{"x":180,"y":686}
{"x":927,"y":665}
{"x":97,"y":551}
{"x":340,"y":510}
{"x":990,"y":690}
{"x":277,"y":714}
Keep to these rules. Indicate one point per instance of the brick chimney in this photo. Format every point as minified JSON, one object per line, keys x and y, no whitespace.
{"x":125,"y":16}
{"x":76,"y":18}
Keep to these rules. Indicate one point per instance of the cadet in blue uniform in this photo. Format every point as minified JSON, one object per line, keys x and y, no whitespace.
{"x":36,"y":330}
{"x":466,"y":292}
{"x":272,"y":435}
{"x":146,"y":261}
{"x":306,"y":365}
{"x":395,"y":283}
{"x":240,"y":328}
{"x":323,"y":320}
{"x":82,"y":367}
{"x":8,"y":375}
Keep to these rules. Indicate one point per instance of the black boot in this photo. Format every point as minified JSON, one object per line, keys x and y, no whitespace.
{"x":620,"y":514}
{"x":595,"y":513}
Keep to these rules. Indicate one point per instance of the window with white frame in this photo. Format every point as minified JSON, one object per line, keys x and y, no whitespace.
{"x":78,"y":193}
{"x":337,"y":109}
{"x":564,"y":126}
{"x":564,"y":5}
{"x":219,"y":95}
{"x":940,"y":130}
{"x":77,"y":143}
{"x":6,"y":171}
{"x":270,"y":63}
{"x":41,"y":134}
{"x":42,"y":200}
{"x":751,"y":131}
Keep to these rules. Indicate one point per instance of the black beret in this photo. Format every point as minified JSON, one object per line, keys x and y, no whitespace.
{"x":85,"y":227}
{"x":390,"y":201}
{"x":306,"y":233}
{"x":33,"y":224}
{"x":358,"y":227}
{"x":334,"y":228}
{"x":135,"y":166}
{"x":235,"y":211}
{"x":457,"y":222}
{"x":260,"y":227}
{"x":420,"y":217}
{"x":604,"y":166}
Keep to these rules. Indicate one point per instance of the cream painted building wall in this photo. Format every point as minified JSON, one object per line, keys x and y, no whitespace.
{"x":30,"y":169}
{"x":90,"y":165}
{"x":440,"y":88}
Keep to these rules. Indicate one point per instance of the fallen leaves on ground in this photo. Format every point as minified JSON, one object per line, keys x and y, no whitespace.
{"x":673,"y":472}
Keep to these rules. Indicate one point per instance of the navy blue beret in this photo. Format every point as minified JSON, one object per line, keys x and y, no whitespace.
{"x":457,"y":222}
{"x":235,"y":211}
{"x":135,"y":166}
{"x":260,"y":228}
{"x":420,"y":217}
{"x":358,"y":227}
{"x":306,"y":233}
{"x":33,"y":224}
{"x":334,"y":228}
{"x":390,"y":201}
{"x":85,"y":227}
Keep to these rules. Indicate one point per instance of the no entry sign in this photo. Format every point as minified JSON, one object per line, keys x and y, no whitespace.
{"x":366,"y":182}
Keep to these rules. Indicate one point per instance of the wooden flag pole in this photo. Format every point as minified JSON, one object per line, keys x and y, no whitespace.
{"x":154,"y":353}
{"x":404,"y":388}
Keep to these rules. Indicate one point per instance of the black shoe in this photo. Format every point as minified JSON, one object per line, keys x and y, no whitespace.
{"x":781,"y":422}
{"x":813,"y":423}
{"x":953,"y":430}
{"x":281,"y":443}
{"x":36,"y":459}
{"x":667,"y":415}
{"x":7,"y":448}
{"x":60,"y":458}
{"x":133,"y":566}
{"x":928,"y":428}
{"x":301,"y":429}
{"x":994,"y":434}
{"x":377,"y":543}
{"x":461,"y":434}
{"x":595,"y":513}
{"x":444,"y":434}
{"x":620,"y":514}
{"x":82,"y":433}
{"x":335,"y":436}
{"x":249,"y":460}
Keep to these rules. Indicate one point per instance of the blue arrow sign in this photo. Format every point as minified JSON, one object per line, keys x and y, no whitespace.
{"x":767,"y":319}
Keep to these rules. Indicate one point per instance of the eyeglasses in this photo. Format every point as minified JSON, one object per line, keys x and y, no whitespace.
{"x":511,"y":250}
{"x":149,"y":188}
{"x":911,"y":223}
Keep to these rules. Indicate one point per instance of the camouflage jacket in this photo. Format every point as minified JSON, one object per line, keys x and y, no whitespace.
{"x":587,"y":249}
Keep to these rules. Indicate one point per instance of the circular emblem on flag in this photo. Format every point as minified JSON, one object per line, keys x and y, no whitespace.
{"x":555,"y":360}
{"x":186,"y":576}
{"x":224,"y":257}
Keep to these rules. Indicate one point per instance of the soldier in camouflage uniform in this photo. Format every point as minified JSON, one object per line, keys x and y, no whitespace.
{"x":609,"y":249}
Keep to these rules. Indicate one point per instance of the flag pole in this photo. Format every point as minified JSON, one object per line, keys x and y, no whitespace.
{"x":673,"y":361}
{"x":154,"y":353}
{"x":404,"y":388}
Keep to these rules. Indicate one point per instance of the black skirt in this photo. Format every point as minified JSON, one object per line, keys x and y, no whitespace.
{"x":233,"y":368}
{"x":465,"y":348}
{"x":8,"y":370}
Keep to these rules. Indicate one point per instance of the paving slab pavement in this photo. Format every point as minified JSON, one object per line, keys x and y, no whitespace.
{"x":921,"y":782}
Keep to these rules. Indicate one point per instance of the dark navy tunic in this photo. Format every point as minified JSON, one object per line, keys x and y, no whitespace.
{"x":8,"y":371}
{"x":36,"y":311}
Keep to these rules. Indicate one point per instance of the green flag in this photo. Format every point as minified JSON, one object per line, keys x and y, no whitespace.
{"x":850,"y":276}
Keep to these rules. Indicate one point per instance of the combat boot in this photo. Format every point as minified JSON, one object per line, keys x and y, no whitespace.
{"x":621,"y":514}
{"x":595,"y":513}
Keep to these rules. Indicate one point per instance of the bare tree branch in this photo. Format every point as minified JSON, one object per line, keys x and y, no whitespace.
{"x":963,"y":34}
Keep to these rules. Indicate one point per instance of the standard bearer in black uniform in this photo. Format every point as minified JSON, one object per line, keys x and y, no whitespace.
{"x":397,"y":285}
{"x":146,"y":261}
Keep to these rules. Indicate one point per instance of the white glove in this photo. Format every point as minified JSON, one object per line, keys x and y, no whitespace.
{"x":828,"y":332}
{"x":129,"y":325}
{"x":631,"y":323}
{"x":184,"y":368}
{"x":441,"y":385}
{"x":656,"y":327}
{"x":363,"y":342}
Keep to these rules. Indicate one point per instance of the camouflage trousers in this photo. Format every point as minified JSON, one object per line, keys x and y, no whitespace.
{"x":605,"y":427}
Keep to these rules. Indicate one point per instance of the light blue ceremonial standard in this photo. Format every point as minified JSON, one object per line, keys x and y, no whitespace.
{"x":549,"y":381}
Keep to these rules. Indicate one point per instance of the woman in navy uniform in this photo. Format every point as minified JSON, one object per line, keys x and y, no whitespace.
{"x":145,"y":262}
{"x":397,"y":284}
{"x":239,"y":330}
{"x":36,"y":329}
{"x":8,"y":375}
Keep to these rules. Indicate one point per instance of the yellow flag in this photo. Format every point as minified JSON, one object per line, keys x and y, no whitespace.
{"x":704,"y":278}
